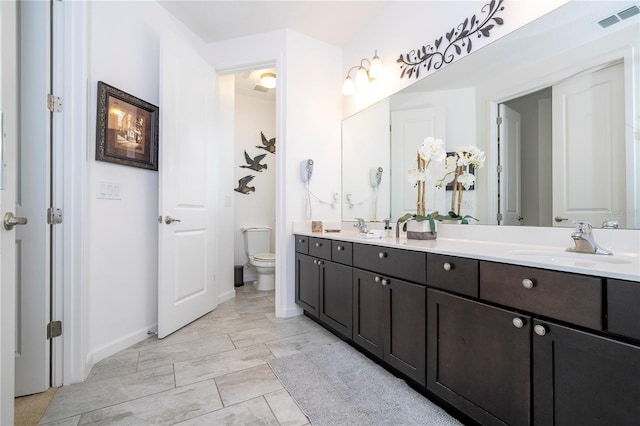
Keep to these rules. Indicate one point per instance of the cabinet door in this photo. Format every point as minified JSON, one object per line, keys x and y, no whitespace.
{"x":368,"y":297}
{"x":336,"y":295}
{"x":405,"y":336}
{"x":307,"y":283}
{"x":478,"y":359}
{"x":583,"y":379}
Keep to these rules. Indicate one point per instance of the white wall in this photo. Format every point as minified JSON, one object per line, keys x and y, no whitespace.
{"x":121,"y":236}
{"x":252,"y":116}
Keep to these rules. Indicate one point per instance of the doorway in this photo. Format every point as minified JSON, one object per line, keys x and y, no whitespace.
{"x":255,"y":149}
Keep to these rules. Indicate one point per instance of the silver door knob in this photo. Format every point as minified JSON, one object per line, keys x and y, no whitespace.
{"x":447,"y":266}
{"x":385,"y":281}
{"x":339,"y":248}
{"x":382,"y":255}
{"x":527,"y":283}
{"x":10,"y":221}
{"x":560,"y":218}
{"x":377,"y":279}
{"x":318,"y":244}
{"x":169,"y":220}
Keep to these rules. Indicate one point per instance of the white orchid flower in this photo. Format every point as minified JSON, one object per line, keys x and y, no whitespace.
{"x":466,"y":179}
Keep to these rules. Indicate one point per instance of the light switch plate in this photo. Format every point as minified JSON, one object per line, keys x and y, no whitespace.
{"x":108,"y":190}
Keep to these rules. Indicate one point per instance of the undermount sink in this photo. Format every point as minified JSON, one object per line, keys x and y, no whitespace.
{"x":584,"y":260}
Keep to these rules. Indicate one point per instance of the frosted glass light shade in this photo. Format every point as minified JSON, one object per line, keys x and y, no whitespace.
{"x":348,"y":88}
{"x":362,"y":78}
{"x":268,"y":80}
{"x":376,"y":67}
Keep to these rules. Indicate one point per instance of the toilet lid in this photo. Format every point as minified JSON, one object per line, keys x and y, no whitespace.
{"x":270,"y":257}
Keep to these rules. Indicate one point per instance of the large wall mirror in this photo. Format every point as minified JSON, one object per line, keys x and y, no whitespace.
{"x":566,"y":91}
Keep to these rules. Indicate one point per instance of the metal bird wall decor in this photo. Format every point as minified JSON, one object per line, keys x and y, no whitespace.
{"x":269,"y":145}
{"x":254,"y":163}
{"x":242,"y":185}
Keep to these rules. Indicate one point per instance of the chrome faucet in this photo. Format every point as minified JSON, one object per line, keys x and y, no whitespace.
{"x":584,"y":241}
{"x":361,"y":225}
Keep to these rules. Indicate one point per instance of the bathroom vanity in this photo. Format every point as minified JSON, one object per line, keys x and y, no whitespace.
{"x":506,"y":333}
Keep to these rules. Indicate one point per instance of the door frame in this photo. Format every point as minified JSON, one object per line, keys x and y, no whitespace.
{"x":592,"y":64}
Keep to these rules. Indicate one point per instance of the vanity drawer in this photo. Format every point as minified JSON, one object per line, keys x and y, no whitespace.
{"x":567,"y":297}
{"x":404,"y":264}
{"x":452,"y":273}
{"x":320,"y":247}
{"x":342,"y":252}
{"x":623,"y":308}
{"x":302,"y":244}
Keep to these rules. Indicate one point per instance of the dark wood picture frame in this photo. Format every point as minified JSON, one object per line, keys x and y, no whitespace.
{"x":126,"y":129}
{"x":470,"y":169}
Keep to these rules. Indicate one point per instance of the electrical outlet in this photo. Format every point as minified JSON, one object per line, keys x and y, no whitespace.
{"x":467,"y":205}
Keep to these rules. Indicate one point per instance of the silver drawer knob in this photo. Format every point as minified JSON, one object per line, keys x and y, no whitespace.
{"x":518,"y":322}
{"x":447,"y":266}
{"x":385,"y":281}
{"x":301,"y":241}
{"x":339,"y":248}
{"x":315,"y":261}
{"x":318,"y":244}
{"x":540,"y":330}
{"x":382,"y":255}
{"x":527,"y":283}
{"x":377,"y":279}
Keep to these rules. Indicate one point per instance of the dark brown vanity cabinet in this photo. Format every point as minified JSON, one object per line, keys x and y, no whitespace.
{"x":389,"y":314}
{"x":323,"y":287}
{"x":583,"y":379}
{"x":479,"y":359}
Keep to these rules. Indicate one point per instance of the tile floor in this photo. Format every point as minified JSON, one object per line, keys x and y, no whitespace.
{"x":213,"y":371}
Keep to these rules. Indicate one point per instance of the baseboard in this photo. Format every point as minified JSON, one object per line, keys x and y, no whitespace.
{"x":93,"y":357}
{"x":289,"y":312}
{"x":226,"y":296}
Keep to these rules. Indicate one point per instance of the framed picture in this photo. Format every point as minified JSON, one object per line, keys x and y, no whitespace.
{"x":469,"y":169}
{"x":127,"y":129}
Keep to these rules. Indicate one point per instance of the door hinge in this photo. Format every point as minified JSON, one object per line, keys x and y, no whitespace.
{"x":54,"y":103}
{"x":54,"y":329}
{"x":499,"y":216}
{"x":499,"y":168}
{"x":499,"y":121}
{"x":54,"y":216}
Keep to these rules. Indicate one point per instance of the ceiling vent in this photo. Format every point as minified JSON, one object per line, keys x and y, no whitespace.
{"x":614,"y":19}
{"x":260,"y":88}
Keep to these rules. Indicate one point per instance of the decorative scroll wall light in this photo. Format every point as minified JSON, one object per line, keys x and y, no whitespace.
{"x":366,"y":73}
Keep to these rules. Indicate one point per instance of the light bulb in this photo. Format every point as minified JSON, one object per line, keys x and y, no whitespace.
{"x":362,"y":78}
{"x":376,"y":67}
{"x":348,"y":88}
{"x":268,"y":80}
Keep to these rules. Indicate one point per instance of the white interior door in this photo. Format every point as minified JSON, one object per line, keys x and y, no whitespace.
{"x":409,"y":128}
{"x":510,"y":153}
{"x":9,"y":136}
{"x":32,"y":199}
{"x":588,"y":143}
{"x":188,"y":187}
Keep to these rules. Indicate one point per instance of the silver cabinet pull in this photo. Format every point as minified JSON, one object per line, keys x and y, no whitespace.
{"x":540,"y":330}
{"x":518,"y":322}
{"x":377,"y":279}
{"x":339,"y":248}
{"x":315,"y":261}
{"x":382,"y":255}
{"x":527,"y":283}
{"x":301,"y":241}
{"x":10,"y":220}
{"x":385,"y":281}
{"x":560,"y":218}
{"x":318,"y":244}
{"x":447,"y":266}
{"x":169,"y":220}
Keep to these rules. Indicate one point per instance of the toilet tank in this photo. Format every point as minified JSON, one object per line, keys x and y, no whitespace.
{"x":257,"y":239}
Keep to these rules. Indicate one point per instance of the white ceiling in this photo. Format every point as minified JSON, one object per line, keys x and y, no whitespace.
{"x":334,"y":22}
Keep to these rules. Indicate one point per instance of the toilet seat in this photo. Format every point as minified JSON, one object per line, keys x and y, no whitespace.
{"x":265,"y":257}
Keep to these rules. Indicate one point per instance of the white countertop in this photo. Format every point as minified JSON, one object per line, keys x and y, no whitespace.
{"x":623,"y":264}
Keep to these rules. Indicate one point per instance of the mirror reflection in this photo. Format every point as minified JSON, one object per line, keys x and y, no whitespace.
{"x":567,"y":148}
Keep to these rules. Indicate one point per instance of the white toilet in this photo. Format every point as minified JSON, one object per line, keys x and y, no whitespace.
{"x":257,"y":243}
